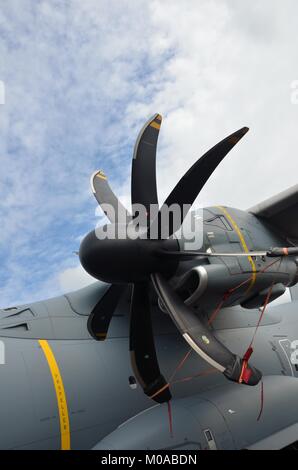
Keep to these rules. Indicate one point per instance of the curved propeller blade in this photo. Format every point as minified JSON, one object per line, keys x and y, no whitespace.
{"x":190,"y":185}
{"x":99,"y":319}
{"x":199,"y":337}
{"x":106,"y":198}
{"x":142,"y":349}
{"x":143,"y":173}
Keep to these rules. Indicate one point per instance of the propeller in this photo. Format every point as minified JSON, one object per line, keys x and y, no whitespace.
{"x":142,"y":349}
{"x":143,"y":173}
{"x":144,"y":262}
{"x":106,"y":198}
{"x":190,"y":185}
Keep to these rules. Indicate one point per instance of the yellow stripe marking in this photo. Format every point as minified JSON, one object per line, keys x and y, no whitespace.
{"x":244,"y":246}
{"x":60,"y":394}
{"x":155,"y":125}
{"x":235,"y":139}
{"x":101,"y":175}
{"x":101,"y":335}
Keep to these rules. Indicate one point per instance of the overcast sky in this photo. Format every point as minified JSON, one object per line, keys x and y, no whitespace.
{"x":82,"y":76}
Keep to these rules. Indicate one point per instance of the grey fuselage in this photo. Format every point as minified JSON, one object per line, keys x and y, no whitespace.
{"x":62,"y":389}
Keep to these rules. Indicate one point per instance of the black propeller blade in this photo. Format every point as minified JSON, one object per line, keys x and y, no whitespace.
{"x":138,"y":260}
{"x":106,"y":198}
{"x":101,"y":315}
{"x":143,"y":174}
{"x":142,"y":349}
{"x":198,"y":336}
{"x":190,"y":185}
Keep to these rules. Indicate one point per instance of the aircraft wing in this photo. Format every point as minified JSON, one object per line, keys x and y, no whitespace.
{"x":281,"y":212}
{"x":213,"y":419}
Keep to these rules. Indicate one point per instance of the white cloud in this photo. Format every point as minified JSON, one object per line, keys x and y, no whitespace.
{"x":232,"y":66}
{"x":74,"y":278}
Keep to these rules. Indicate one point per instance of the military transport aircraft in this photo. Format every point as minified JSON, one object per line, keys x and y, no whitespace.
{"x":170,"y":348}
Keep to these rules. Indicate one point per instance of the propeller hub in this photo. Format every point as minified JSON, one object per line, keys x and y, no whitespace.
{"x":125,"y":260}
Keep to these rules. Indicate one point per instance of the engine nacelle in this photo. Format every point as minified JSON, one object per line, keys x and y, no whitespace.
{"x":205,"y":286}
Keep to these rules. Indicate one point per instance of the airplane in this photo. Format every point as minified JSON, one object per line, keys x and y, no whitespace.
{"x":170,"y":348}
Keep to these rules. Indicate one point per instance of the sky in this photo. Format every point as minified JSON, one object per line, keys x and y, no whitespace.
{"x":78,"y":79}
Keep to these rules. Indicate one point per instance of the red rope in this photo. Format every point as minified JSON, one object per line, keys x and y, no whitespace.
{"x":183,"y":379}
{"x":167,"y":385}
{"x":180,"y":364}
{"x":262,"y":401}
{"x":244,"y":372}
{"x":213,"y":316}
{"x":216,"y":311}
{"x":170,"y":418}
{"x":229,"y":292}
{"x":191,"y":377}
{"x":262,"y":313}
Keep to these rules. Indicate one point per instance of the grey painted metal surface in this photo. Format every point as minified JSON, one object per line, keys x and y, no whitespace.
{"x":49,"y":339}
{"x":229,"y":413}
{"x":281,"y":211}
{"x":95,"y":377}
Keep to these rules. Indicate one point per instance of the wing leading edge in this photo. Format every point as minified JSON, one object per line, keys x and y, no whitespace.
{"x":281,"y":212}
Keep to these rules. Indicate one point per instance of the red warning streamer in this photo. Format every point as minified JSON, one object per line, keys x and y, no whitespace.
{"x":245,"y":372}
